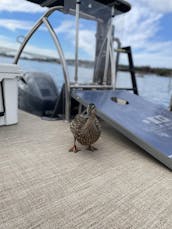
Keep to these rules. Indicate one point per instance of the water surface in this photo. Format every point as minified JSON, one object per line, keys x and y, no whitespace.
{"x":157,"y":89}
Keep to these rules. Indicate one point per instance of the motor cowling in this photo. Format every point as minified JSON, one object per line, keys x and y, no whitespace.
{"x":38,"y":94}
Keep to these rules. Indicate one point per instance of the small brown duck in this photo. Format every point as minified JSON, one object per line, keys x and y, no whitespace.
{"x":86,"y":129}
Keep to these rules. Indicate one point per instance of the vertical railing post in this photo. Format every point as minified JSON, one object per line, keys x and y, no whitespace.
{"x":109,"y":53}
{"x":112,"y":59}
{"x":77,"y":40}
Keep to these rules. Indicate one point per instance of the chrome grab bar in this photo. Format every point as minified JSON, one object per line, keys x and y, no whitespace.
{"x":44,"y":19}
{"x":115,"y":39}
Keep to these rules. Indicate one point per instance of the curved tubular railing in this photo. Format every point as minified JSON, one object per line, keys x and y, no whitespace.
{"x":113,"y":67}
{"x":100,"y":53}
{"x":44,"y":19}
{"x":115,"y":39}
{"x":109,"y":35}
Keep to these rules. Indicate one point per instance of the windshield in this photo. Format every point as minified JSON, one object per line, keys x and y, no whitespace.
{"x":93,"y":26}
{"x":94,"y":32}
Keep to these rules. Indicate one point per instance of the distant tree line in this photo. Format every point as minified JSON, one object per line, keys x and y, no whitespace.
{"x":90,"y":64}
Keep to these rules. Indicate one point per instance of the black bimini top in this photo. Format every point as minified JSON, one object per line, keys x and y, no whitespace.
{"x":120,"y":5}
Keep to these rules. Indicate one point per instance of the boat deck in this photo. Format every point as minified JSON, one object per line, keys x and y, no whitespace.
{"x":42,"y":185}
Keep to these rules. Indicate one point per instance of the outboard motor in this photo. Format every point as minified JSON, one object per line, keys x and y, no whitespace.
{"x":38,"y":94}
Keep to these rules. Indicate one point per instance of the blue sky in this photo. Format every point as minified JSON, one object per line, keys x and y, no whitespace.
{"x":147,"y":28}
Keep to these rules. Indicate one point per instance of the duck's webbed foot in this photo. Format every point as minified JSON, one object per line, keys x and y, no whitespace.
{"x":74,"y":149}
{"x":91,"y":148}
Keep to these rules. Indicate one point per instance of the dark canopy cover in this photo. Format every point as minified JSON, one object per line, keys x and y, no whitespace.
{"x":121,"y":5}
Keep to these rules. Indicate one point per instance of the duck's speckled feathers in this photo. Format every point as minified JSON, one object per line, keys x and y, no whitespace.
{"x":85,"y":129}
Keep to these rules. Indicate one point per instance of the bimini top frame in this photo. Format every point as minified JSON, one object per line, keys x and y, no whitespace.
{"x":93,"y":10}
{"x":121,"y":5}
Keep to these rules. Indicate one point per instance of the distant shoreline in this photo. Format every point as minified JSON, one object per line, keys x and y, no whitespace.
{"x":142,"y":70}
{"x":149,"y":70}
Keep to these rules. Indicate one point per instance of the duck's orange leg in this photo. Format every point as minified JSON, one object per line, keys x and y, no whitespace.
{"x":74,"y":147}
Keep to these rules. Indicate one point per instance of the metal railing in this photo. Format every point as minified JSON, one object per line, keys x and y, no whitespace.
{"x":44,"y":20}
{"x":68,"y":86}
{"x":115,"y":39}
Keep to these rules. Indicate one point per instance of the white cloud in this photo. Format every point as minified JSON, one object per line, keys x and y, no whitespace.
{"x":16,"y":24}
{"x":139,"y":29}
{"x":162,"y":6}
{"x":65,"y":27}
{"x":138,"y":26}
{"x":86,"y":37}
{"x":87,"y":42}
{"x":20,"y":6}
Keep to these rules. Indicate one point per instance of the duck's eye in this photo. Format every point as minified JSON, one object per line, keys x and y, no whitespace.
{"x":92,"y":106}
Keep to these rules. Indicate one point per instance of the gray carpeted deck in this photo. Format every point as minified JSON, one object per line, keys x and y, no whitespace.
{"x":42,"y":185}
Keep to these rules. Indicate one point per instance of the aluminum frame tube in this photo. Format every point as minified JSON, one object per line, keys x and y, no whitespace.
{"x":44,"y":20}
{"x":64,"y":67}
{"x":113,"y":67}
{"x":107,"y":54}
{"x":77,"y":40}
{"x":33,"y":30}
